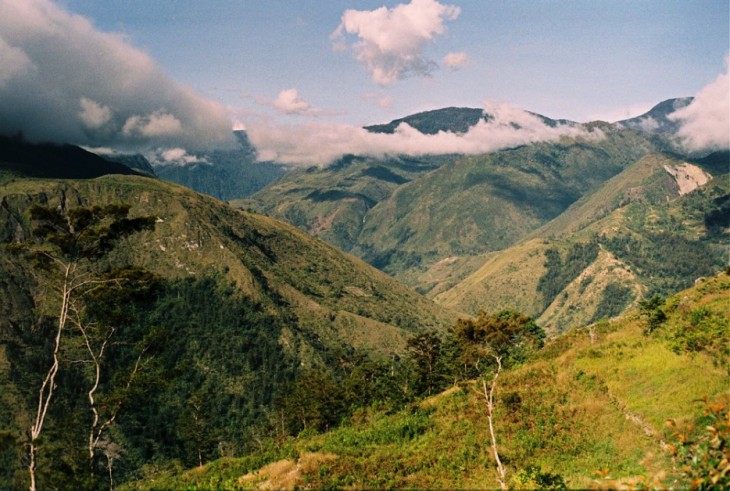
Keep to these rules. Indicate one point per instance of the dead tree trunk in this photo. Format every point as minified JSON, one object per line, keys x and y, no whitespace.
{"x":489,"y":397}
{"x":45,"y":394}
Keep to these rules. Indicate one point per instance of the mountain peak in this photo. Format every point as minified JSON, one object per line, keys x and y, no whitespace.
{"x":453,"y":119}
{"x":657,"y":120}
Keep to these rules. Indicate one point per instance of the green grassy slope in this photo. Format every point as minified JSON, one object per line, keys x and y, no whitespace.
{"x":591,"y":409}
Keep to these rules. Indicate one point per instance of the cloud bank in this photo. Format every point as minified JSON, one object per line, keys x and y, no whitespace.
{"x":390,"y":42}
{"x":322,"y":143}
{"x":63,"y":80}
{"x":705,"y":122}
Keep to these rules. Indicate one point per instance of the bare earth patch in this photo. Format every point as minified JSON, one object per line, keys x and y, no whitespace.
{"x":285,"y":474}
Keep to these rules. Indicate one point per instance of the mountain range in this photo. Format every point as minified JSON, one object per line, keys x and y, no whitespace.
{"x":219,"y":330}
{"x":442,"y":224}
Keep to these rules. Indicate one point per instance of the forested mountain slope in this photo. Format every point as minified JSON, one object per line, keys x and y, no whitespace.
{"x":407,"y":215}
{"x":198,"y":324}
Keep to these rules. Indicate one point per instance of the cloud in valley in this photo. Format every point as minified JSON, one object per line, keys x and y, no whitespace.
{"x":390,"y":42}
{"x":318,"y":143}
{"x":64,"y":80}
{"x":705,"y":122}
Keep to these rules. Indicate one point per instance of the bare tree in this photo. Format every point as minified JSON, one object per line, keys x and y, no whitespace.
{"x":489,"y":398}
{"x":70,"y":243}
{"x":112,"y":451}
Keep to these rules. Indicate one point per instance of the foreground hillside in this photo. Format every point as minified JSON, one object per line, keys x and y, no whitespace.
{"x":197,"y":318}
{"x":588,"y":410}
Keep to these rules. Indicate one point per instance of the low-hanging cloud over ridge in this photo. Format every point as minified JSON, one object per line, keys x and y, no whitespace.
{"x":705,"y":122}
{"x":61,"y":79}
{"x":322,"y":143}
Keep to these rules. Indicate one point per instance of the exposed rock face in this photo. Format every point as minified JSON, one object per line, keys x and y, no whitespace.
{"x":688,"y":177}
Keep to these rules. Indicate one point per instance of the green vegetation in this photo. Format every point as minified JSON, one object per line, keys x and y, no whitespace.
{"x":181,"y":351}
{"x":146,"y":329}
{"x":649,"y":239}
{"x":560,"y":272}
{"x":667,"y":261}
{"x":333,"y":202}
{"x":614,"y":301}
{"x":705,"y":460}
{"x":406,"y":215}
{"x":582,"y":411}
{"x":454,"y":119}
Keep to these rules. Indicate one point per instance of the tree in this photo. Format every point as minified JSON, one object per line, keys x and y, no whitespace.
{"x":66,"y":248}
{"x":483,"y":343}
{"x":97,"y":319}
{"x":489,"y":398}
{"x":651,"y":310}
{"x":507,"y":333}
{"x":425,"y":349}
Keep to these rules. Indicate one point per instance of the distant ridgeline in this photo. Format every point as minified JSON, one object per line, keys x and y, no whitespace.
{"x":55,"y":161}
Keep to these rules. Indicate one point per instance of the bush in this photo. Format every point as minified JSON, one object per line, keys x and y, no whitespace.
{"x":705,"y":460}
{"x":532,"y":477}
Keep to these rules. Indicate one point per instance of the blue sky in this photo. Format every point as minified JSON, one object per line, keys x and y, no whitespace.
{"x":565,"y":59}
{"x":302,"y":77}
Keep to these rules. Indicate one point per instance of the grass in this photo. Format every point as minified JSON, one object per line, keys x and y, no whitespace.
{"x":590,"y":411}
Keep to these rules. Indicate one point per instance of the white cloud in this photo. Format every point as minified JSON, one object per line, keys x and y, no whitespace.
{"x":705,"y":122}
{"x":174,"y":156}
{"x":158,"y":123}
{"x":383,"y":101}
{"x":390,"y":42}
{"x":93,"y":114}
{"x":322,"y":143}
{"x":648,"y":124}
{"x":289,"y":102}
{"x":455,"y":60}
{"x":61,"y":79}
